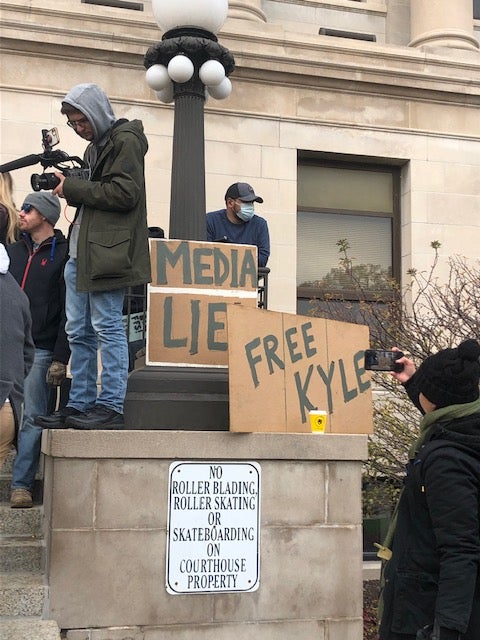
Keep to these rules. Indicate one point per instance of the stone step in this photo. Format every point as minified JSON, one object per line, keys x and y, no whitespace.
{"x":16,"y":522}
{"x":29,"y":630}
{"x":21,"y":554}
{"x":22,"y":594}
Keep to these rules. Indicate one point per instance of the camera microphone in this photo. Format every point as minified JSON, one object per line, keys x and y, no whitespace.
{"x":19,"y":163}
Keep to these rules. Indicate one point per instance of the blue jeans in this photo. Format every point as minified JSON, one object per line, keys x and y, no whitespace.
{"x":94,"y":321}
{"x":36,"y":395}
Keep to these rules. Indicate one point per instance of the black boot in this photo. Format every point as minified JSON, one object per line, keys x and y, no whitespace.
{"x":57,"y":420}
{"x":100,"y":417}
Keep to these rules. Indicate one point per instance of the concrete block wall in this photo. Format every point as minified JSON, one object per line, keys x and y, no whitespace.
{"x":106,"y":503}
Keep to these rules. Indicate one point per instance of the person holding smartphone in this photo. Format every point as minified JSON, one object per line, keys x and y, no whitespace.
{"x":431,"y":577}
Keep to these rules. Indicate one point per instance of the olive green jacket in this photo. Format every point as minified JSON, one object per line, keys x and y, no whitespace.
{"x":113,"y":236}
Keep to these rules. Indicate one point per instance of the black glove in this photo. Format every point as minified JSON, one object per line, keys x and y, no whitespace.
{"x":436,"y":632}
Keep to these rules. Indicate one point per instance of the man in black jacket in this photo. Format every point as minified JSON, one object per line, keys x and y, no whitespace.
{"x":36,"y":262}
{"x":432,"y":580}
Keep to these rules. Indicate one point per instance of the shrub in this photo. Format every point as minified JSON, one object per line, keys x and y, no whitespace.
{"x":426,"y":314}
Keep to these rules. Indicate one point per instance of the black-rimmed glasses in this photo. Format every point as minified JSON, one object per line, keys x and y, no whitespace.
{"x":81,"y":122}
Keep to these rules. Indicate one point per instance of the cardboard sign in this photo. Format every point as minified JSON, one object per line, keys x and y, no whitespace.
{"x":192,"y":285}
{"x":281,"y":366}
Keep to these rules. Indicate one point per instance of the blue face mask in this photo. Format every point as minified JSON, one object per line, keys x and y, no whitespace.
{"x":246,"y":212}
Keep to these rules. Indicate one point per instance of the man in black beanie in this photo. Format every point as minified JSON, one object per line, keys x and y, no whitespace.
{"x":431,"y":580}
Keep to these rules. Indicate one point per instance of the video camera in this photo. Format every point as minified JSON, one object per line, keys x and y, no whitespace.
{"x":49,"y":158}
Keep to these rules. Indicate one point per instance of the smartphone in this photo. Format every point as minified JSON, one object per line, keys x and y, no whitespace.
{"x":50,"y":137}
{"x":379,"y":360}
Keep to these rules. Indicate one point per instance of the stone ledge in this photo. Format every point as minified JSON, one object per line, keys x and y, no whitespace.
{"x":204,"y":445}
{"x":371,"y":570}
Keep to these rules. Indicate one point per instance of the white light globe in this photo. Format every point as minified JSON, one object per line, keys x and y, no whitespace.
{"x":165,"y":95}
{"x":212,"y":73}
{"x":222,"y":90}
{"x":180,"y":69}
{"x":157,"y":77}
{"x":206,"y":14}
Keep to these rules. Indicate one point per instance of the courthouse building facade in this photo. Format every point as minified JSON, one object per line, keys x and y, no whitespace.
{"x":353,"y":119}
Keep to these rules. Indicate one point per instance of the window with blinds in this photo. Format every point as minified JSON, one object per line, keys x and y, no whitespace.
{"x":339,"y":205}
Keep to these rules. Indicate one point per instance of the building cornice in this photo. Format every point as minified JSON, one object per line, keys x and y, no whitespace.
{"x":265,"y":53}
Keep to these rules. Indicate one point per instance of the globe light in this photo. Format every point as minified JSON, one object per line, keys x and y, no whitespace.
{"x":180,"y":69}
{"x":165,"y":95}
{"x":206,"y":14}
{"x":212,"y":73}
{"x":157,"y":77}
{"x":222,"y":90}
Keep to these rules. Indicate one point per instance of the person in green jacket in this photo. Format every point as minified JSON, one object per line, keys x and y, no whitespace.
{"x":108,"y":252}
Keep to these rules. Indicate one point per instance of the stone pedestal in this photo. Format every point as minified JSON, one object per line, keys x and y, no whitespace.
{"x":442,"y":23}
{"x":106,"y":511}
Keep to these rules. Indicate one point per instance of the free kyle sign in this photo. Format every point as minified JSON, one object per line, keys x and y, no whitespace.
{"x":192,"y":284}
{"x":281,"y":366}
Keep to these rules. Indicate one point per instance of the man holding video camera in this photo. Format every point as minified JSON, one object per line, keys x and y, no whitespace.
{"x":108,"y":253}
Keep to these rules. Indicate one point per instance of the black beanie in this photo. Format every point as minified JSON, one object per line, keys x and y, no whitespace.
{"x":451,"y":376}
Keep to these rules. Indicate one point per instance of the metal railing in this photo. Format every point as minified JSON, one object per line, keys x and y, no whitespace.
{"x":262,"y":283}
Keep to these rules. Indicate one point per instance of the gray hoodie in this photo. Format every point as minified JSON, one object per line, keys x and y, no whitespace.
{"x":112,"y":215}
{"x":91,"y":100}
{"x":95,"y":105}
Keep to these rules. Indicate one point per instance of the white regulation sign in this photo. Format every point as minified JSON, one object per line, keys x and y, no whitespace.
{"x":213,"y":527}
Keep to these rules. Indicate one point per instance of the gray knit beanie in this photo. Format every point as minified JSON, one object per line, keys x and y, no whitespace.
{"x":47,"y":204}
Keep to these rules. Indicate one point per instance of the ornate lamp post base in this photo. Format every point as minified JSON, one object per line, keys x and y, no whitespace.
{"x":178,"y":398}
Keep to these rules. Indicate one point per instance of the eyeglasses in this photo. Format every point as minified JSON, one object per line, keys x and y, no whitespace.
{"x":81,"y":122}
{"x":26,"y":208}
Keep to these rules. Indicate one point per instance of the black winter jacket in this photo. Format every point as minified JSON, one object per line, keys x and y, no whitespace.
{"x":40,"y":274}
{"x":434,"y":569}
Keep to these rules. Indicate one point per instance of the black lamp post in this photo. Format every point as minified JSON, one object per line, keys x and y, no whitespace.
{"x":185,"y":66}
